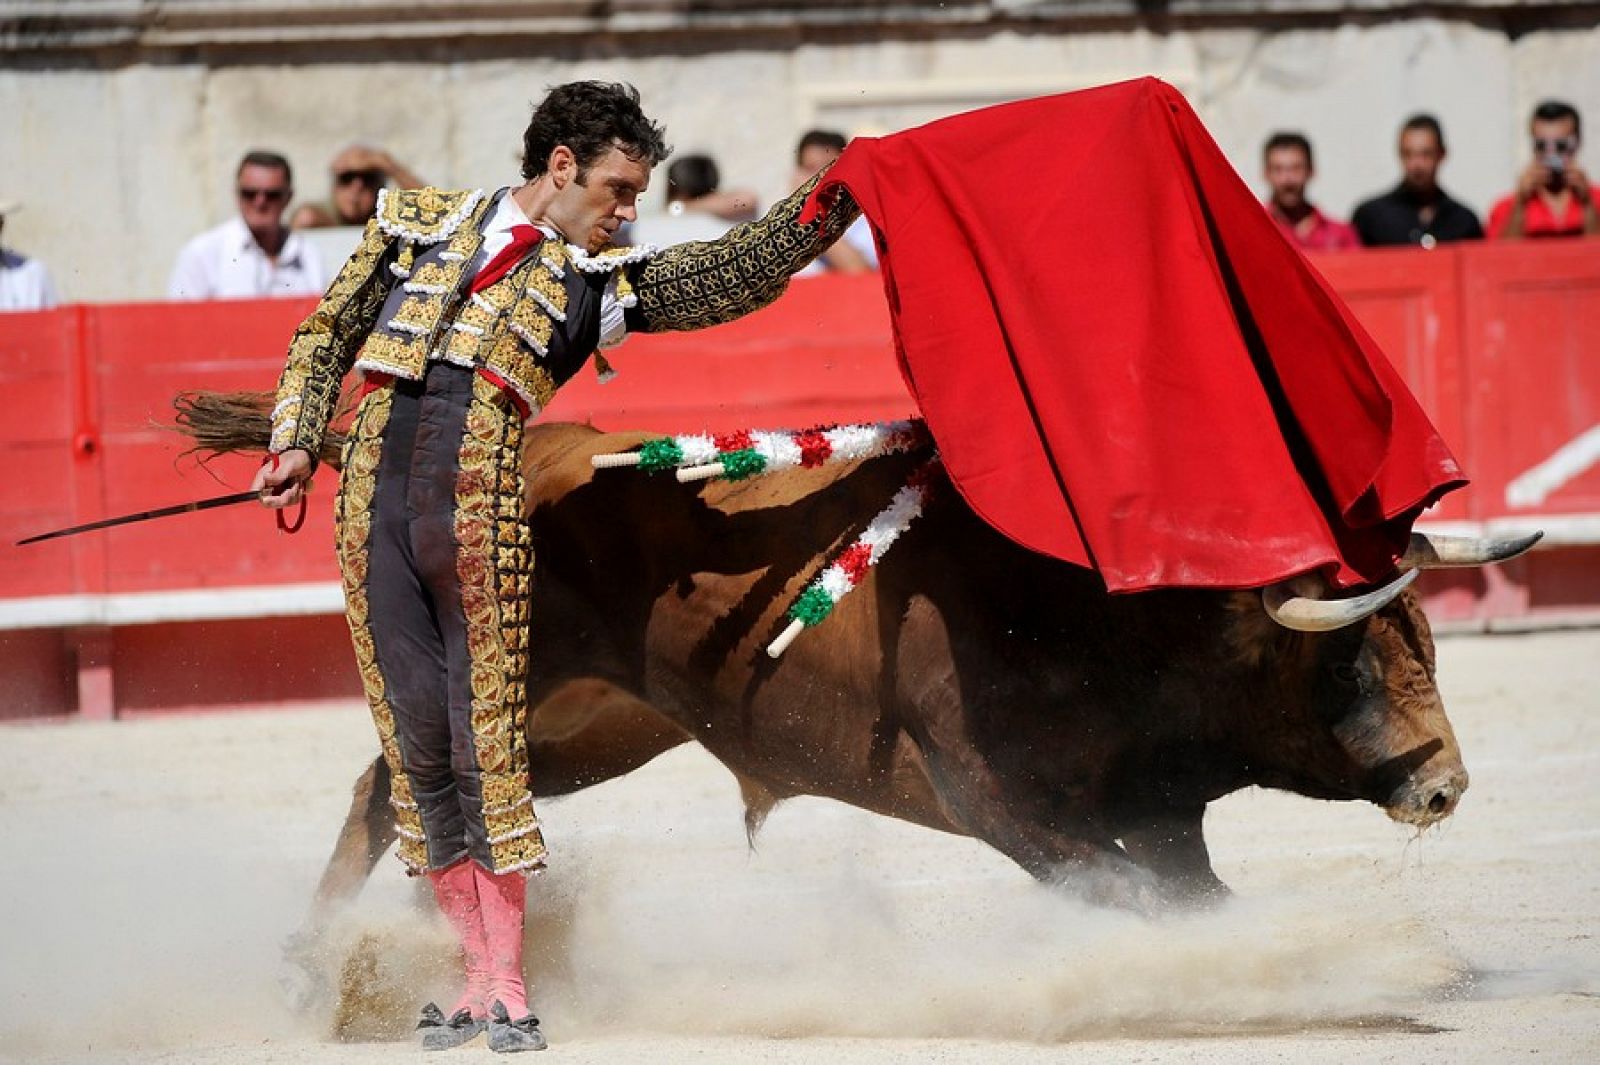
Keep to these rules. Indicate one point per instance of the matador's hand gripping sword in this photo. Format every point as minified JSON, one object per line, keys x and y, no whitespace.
{"x":180,"y":508}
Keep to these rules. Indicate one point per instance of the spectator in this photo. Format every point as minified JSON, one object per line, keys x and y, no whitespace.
{"x":253,"y":253}
{"x":24,"y":283}
{"x":693,"y":186}
{"x":1286,"y":161}
{"x":358,"y":173}
{"x":854,"y":253}
{"x":1417,"y":211}
{"x":1553,"y":197}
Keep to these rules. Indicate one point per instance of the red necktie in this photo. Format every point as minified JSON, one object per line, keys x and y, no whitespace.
{"x":523,"y":240}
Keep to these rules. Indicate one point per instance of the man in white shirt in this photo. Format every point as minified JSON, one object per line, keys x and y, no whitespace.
{"x":252,"y":254}
{"x":24,"y":283}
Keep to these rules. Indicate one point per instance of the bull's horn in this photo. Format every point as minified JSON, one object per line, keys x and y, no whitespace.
{"x":1306,"y":614}
{"x":1445,"y":552}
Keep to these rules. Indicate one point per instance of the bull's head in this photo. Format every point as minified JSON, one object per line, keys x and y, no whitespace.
{"x":1368,"y":678}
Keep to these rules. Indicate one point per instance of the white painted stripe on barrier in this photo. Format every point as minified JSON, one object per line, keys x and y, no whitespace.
{"x":149,"y":608}
{"x":1575,"y":457}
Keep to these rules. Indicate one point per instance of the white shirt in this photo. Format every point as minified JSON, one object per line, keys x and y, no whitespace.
{"x":25,"y":284}
{"x":227,"y":263}
{"x":497,"y":237}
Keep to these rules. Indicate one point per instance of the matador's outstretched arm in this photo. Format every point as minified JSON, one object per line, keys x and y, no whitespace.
{"x":706,"y":283}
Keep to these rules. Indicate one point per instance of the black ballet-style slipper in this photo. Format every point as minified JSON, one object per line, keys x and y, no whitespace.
{"x":507,"y":1036}
{"x":435,"y":1031}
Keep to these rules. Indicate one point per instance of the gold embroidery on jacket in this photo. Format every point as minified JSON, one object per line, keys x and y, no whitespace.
{"x":425,"y":216}
{"x":432,"y":274}
{"x":706,"y":283}
{"x":418,"y":315}
{"x":400,"y":357}
{"x":325,"y":345}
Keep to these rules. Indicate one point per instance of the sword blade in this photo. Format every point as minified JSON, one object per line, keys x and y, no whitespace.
{"x":146,"y":515}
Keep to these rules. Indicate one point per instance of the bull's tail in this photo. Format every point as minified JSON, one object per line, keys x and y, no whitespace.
{"x":229,"y":422}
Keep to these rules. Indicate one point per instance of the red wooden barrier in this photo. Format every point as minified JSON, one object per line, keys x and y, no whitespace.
{"x":1497,"y":341}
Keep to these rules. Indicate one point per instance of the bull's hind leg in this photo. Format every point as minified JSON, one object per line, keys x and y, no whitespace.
{"x":582,"y":733}
{"x":1173,"y":847}
{"x":586,"y":730}
{"x":367,"y":832}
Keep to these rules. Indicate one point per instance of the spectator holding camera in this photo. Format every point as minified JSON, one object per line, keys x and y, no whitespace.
{"x":1553,"y":197}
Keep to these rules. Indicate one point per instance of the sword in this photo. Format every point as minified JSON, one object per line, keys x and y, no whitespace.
{"x":164,"y":512}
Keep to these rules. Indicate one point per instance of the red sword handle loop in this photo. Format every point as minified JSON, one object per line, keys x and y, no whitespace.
{"x":300,"y":516}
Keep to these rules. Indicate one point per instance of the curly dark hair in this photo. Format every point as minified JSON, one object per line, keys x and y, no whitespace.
{"x":591,"y":117}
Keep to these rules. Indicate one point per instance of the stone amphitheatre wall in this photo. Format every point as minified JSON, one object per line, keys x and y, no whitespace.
{"x":123,"y":119}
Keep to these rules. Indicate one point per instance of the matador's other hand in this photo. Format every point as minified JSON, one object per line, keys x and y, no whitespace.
{"x":283,"y":479}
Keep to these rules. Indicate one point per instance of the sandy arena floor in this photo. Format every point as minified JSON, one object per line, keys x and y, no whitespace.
{"x":154,"y":867}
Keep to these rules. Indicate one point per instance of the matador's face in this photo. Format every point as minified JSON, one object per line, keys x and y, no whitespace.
{"x":589,"y":212}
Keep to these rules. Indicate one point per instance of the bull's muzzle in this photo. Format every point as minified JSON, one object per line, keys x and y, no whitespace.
{"x":1430,"y":800}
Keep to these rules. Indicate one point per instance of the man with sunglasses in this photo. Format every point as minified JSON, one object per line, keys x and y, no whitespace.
{"x":1553,"y":197}
{"x":252,"y":254}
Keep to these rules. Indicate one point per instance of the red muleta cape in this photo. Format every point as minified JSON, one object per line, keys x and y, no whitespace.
{"x":1123,"y":362}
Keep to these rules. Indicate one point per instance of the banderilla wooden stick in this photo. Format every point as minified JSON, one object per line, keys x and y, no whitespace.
{"x":688,"y":474}
{"x":785,"y":638}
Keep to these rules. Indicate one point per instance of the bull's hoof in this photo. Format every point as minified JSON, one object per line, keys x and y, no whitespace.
{"x":302,"y":978}
{"x":1197,"y":896}
{"x":507,"y":1036}
{"x":435,"y":1031}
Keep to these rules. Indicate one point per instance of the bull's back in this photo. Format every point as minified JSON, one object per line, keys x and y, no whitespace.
{"x":675,"y":591}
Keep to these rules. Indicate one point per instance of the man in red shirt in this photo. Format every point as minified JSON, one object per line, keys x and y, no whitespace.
{"x":1287,"y":165}
{"x":1553,"y":196}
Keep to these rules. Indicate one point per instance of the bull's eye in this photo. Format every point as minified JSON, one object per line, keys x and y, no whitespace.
{"x":1345,"y":673}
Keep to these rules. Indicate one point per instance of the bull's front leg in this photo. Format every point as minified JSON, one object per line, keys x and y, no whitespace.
{"x":1076,"y":857}
{"x":983,"y":789}
{"x":1172,"y":845}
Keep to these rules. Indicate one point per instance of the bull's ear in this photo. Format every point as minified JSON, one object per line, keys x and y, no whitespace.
{"x":1251,"y":635}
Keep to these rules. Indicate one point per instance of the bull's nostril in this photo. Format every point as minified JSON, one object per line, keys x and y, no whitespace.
{"x":1439,"y":803}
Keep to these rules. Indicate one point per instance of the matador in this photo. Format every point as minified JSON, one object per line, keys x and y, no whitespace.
{"x":464,"y":312}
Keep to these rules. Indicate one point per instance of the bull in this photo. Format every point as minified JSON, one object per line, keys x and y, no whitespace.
{"x":968,"y":684}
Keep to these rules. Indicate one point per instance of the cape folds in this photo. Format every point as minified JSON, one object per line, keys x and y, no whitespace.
{"x":1123,"y":362}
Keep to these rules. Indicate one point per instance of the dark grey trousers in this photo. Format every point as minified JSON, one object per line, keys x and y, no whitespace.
{"x":448,"y":689}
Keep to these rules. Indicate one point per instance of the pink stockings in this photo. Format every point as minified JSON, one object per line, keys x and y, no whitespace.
{"x":503,"y":899}
{"x":486,"y":912}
